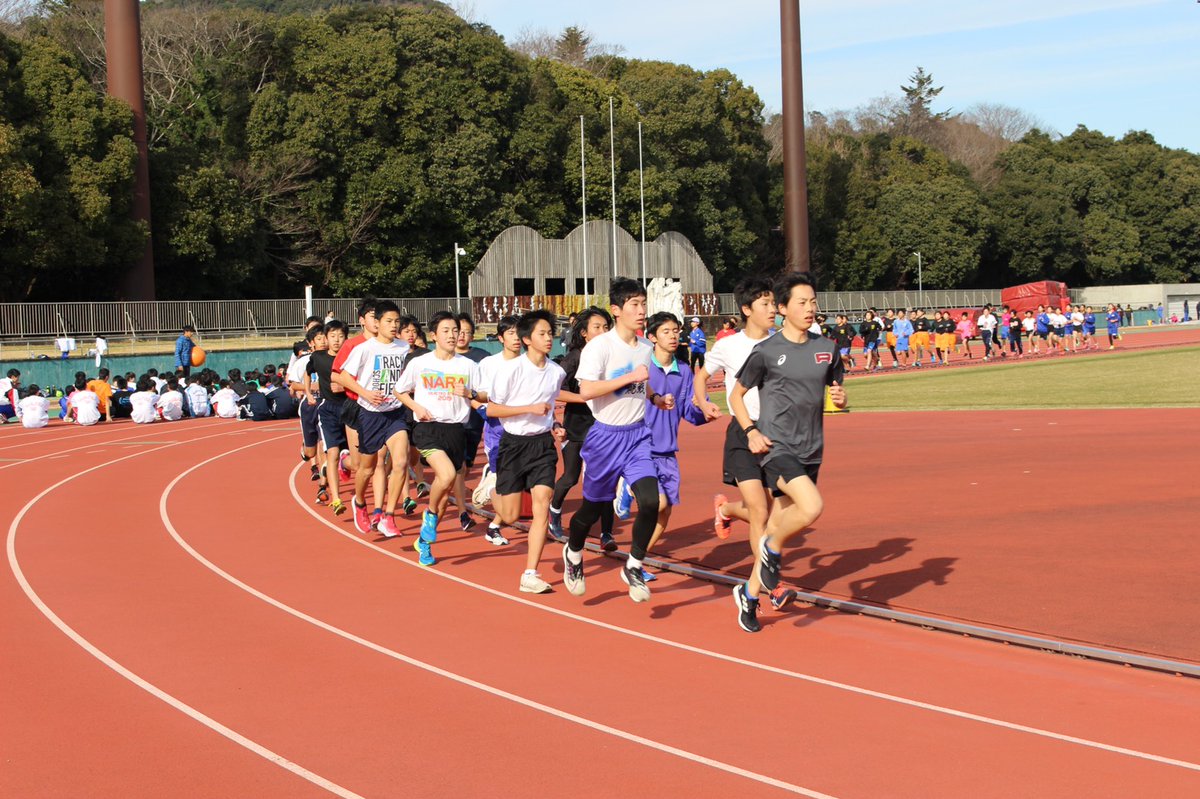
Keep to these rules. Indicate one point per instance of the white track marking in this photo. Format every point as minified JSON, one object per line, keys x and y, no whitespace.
{"x":841,"y":686}
{"x":145,"y":685}
{"x":61,"y":452}
{"x":450,"y":675}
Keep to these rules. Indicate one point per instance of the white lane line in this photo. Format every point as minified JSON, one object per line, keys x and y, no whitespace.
{"x":841,"y":686}
{"x":63,"y":452}
{"x":450,"y":675}
{"x":145,"y":685}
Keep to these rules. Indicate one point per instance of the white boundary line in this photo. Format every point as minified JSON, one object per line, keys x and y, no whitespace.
{"x":145,"y":685}
{"x":841,"y":686}
{"x":458,"y":678}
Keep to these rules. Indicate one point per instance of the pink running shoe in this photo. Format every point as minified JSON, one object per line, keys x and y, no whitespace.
{"x":387,"y":526}
{"x":721,"y":525}
{"x":362,"y":520}
{"x":343,"y":472}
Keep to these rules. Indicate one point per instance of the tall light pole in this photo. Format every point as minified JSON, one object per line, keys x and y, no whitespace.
{"x":795,"y":186}
{"x":457,"y":285}
{"x":583,"y":200}
{"x":642,"y":196}
{"x":612,"y":162}
{"x":920,"y":280}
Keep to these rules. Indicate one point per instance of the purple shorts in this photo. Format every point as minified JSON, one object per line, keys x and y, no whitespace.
{"x":667,"y":467}
{"x":610,"y":453}
{"x":492,"y":430}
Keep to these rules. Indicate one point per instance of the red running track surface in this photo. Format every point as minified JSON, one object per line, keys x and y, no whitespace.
{"x":271,"y":651}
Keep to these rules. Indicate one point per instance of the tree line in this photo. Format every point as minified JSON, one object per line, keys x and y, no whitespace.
{"x":350,"y":147}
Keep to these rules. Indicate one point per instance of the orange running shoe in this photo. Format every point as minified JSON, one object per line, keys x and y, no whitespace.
{"x":721,"y":524}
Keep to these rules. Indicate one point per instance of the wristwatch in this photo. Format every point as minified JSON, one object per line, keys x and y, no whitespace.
{"x":474,"y":394}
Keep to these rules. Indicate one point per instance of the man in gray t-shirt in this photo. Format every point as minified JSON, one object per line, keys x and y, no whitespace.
{"x":791,"y":371}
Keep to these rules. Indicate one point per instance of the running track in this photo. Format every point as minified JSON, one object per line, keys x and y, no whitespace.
{"x":179,"y":623}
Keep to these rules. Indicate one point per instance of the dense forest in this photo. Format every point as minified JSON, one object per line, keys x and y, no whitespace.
{"x":292,"y":142}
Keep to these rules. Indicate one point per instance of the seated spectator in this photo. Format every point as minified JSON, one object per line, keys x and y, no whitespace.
{"x":225,"y":401}
{"x":34,"y":408}
{"x":283,"y":406}
{"x":103,"y":390}
{"x":170,"y":402}
{"x":144,"y":402}
{"x":9,"y":395}
{"x":84,"y":406}
{"x":254,"y":405}
{"x":237,"y":384}
{"x":159,"y":383}
{"x":196,"y":395}
{"x":119,"y":406}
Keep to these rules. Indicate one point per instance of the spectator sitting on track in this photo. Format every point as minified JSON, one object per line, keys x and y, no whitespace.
{"x":170,"y":402}
{"x":144,"y":401}
{"x":84,"y":406}
{"x":33,"y":408}
{"x":196,"y":396}
{"x":254,"y":405}
{"x":237,"y":384}
{"x":158,"y":383}
{"x":119,"y":406}
{"x":100,"y":387}
{"x":225,"y":401}
{"x":283,"y":405}
{"x":9,"y":396}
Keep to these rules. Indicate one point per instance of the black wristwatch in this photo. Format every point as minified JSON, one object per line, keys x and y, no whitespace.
{"x":652,"y":397}
{"x":474,"y":394}
{"x":749,"y":427}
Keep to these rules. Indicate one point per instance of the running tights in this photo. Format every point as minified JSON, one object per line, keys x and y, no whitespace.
{"x":572,"y":468}
{"x":645,"y":491}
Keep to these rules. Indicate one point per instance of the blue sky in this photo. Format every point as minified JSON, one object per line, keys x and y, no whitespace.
{"x":1112,"y":65}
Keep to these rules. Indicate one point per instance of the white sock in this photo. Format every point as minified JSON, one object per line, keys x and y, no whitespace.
{"x":556,"y":510}
{"x":530,"y":572}
{"x":493,"y":526}
{"x":633,"y":563}
{"x":575,"y":557}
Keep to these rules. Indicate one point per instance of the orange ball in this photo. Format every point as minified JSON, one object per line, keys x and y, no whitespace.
{"x":198,"y":356}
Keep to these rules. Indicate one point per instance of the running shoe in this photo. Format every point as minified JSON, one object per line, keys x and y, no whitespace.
{"x":314,"y":472}
{"x":534,"y":584}
{"x":338,"y":507}
{"x":782,"y":597}
{"x":422,"y":490}
{"x":769,"y":567}
{"x":648,"y":576}
{"x":387,"y":527}
{"x":410,"y":505}
{"x":573,"y":575}
{"x":322,"y":495}
{"x":638,"y":590}
{"x":343,"y":472}
{"x":362,"y":520}
{"x":376,"y":516}
{"x":467,"y":521}
{"x":624,"y":501}
{"x":607,"y":542}
{"x":556,"y":529}
{"x":747,"y":609}
{"x":426,"y":553}
{"x":721,"y":524}
{"x":495,"y":536}
{"x":429,"y":524}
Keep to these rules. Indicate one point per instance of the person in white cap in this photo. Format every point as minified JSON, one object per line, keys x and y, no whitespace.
{"x":697,"y":344}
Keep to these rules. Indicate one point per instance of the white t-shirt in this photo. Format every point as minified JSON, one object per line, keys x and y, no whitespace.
{"x":225,"y":403}
{"x":489,"y":367}
{"x":6,"y":388}
{"x":87,"y":407}
{"x":197,"y":399}
{"x":33,"y":411}
{"x":142,"y":405}
{"x":295,"y":370}
{"x":987,"y":322}
{"x":607,"y":357}
{"x":171,"y":405}
{"x":431,"y":380}
{"x":520,"y":382}
{"x":728,"y":355}
{"x":101,"y":345}
{"x":1029,"y":324}
{"x":1077,"y":318}
{"x":377,"y":367}
{"x":158,"y":384}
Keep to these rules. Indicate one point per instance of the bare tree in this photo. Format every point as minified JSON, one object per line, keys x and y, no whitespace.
{"x":574,"y":46}
{"x":1002,"y":121}
{"x":534,"y":42}
{"x":14,"y":12}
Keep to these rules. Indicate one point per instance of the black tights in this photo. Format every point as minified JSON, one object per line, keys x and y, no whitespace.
{"x":645,"y":491}
{"x":572,"y":469}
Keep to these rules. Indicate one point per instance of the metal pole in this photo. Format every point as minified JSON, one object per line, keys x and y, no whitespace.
{"x":308,"y":298}
{"x":612,"y":162}
{"x":583,"y":199}
{"x":795,"y":188}
{"x":642,"y":196}
{"x":123,"y":53}
{"x":457,"y":285}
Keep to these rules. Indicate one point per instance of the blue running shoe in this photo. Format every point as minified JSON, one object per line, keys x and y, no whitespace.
{"x":426,"y":554}
{"x":648,"y":576}
{"x":624,"y":501}
{"x":429,"y":524}
{"x":556,"y":529}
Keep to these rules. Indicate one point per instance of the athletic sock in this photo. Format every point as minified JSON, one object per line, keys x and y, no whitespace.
{"x":493,"y":526}
{"x":575,"y":557}
{"x":746,"y":591}
{"x":633,"y":563}
{"x":721,"y":514}
{"x":772,"y":551}
{"x":530,"y":572}
{"x":555,"y":510}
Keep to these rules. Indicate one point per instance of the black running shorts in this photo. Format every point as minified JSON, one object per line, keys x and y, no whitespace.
{"x":740,"y":464}
{"x":787,"y":467}
{"x":525,"y":462}
{"x":448,"y":437}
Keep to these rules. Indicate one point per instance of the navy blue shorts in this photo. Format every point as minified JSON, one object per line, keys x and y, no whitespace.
{"x":471,"y":439}
{"x":376,"y":428}
{"x":329,"y":422}
{"x":308,"y":424}
{"x":610,"y":453}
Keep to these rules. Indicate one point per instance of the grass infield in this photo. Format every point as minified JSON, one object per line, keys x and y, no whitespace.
{"x":1135,"y":379}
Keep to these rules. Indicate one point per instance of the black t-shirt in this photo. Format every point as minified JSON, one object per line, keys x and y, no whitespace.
{"x":827,"y":330}
{"x":240,"y":388}
{"x":281,"y":402}
{"x":844,"y":335}
{"x":577,"y":418}
{"x":260,"y":408}
{"x":320,"y":363}
{"x":869,"y":331}
{"x":921,"y":324}
{"x":1014,"y":327}
{"x":119,"y":404}
{"x":886,"y":324}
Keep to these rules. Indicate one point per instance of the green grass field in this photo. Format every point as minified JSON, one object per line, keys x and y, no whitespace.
{"x":1167,"y":379}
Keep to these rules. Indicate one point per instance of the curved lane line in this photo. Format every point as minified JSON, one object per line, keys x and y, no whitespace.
{"x":145,"y":685}
{"x":841,"y":686}
{"x":450,"y":675}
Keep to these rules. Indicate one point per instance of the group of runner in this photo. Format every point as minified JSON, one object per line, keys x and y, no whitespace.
{"x":387,"y":408}
{"x":910,"y":336}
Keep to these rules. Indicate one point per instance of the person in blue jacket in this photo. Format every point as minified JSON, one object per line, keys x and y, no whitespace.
{"x":697,"y":344}
{"x":183,"y":350}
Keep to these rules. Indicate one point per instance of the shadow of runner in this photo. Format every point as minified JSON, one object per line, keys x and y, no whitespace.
{"x":830,"y":566}
{"x":883,"y":589}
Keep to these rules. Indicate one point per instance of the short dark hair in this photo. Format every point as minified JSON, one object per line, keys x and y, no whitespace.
{"x":789,"y":281}
{"x":527,"y":323}
{"x":334,"y":324}
{"x":189,"y":328}
{"x":14,"y":373}
{"x":506,"y":324}
{"x":658,"y":320}
{"x":622,"y":289}
{"x":582,"y":320}
{"x":152,"y":372}
{"x":408,"y":320}
{"x":386,"y":306}
{"x":235,"y":374}
{"x":103,"y":374}
{"x":224,"y":383}
{"x":122,"y":383}
{"x":313,"y":320}
{"x":749,"y":290}
{"x":313,"y":332}
{"x":465,"y":317}
{"x":33,"y":390}
{"x":81,"y":374}
{"x":172,"y":383}
{"x":438,"y":318}
{"x":80,"y":384}
{"x":144,"y":383}
{"x":269,"y":369}
{"x":367,"y":306}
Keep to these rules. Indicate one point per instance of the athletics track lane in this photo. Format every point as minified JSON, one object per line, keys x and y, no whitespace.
{"x":276,"y":680}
